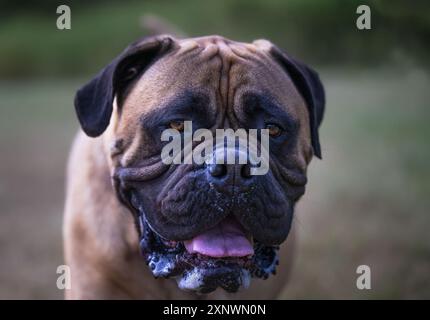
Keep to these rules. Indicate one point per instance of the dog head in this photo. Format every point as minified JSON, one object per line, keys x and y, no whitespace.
{"x":207,"y":225}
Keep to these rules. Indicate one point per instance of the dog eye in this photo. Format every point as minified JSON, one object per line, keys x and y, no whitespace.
{"x":274,"y":130}
{"x":177,"y":125}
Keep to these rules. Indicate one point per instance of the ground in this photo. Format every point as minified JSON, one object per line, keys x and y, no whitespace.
{"x":367,"y":200}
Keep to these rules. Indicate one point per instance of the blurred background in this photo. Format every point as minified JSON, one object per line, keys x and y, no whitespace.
{"x":368,"y":200}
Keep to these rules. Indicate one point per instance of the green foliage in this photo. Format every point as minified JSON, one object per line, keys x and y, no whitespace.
{"x":319,"y":32}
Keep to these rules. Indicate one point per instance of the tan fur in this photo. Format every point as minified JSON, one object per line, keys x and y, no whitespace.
{"x":101,"y":243}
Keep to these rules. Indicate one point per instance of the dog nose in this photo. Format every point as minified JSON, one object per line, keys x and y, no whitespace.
{"x":234,"y":171}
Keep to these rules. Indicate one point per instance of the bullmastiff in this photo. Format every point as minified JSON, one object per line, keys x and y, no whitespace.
{"x":136,"y":227}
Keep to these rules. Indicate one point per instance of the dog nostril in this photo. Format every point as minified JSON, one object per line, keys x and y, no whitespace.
{"x":246,"y":171}
{"x":217,"y":170}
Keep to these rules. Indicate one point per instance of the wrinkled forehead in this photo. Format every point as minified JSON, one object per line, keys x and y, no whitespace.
{"x":218,"y":68}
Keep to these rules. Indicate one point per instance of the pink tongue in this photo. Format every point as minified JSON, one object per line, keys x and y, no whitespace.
{"x":226,"y":239}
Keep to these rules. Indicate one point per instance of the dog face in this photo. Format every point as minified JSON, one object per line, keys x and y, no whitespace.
{"x":208,"y":225}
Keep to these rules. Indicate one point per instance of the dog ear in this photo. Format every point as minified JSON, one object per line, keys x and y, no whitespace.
{"x":310,"y":87}
{"x":93,"y":102}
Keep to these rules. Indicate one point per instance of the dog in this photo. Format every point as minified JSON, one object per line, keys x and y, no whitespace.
{"x":135,"y":227}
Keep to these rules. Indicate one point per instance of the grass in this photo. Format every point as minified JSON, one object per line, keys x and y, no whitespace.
{"x":367,"y":200}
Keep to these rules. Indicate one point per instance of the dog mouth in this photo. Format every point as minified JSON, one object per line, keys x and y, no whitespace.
{"x":224,"y":256}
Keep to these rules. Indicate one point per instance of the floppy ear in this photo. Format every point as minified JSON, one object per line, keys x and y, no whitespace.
{"x":93,"y":102}
{"x":310,"y":87}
